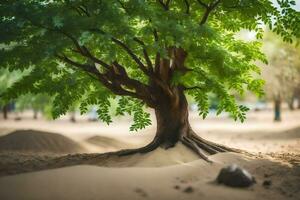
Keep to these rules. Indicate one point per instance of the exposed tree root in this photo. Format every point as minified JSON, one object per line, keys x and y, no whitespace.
{"x":149,"y":147}
{"x":195,"y":147}
{"x":201,"y":147}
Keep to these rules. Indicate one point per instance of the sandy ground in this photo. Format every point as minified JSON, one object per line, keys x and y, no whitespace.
{"x":173,"y":174}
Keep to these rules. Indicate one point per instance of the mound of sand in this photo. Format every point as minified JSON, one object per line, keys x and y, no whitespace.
{"x":157,"y":158}
{"x":107,"y":142}
{"x":32,"y":141}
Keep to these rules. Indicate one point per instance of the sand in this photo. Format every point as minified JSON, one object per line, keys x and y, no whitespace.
{"x":170,"y":182}
{"x":107,"y":143}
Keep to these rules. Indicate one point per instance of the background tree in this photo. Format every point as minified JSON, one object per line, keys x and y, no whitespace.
{"x":6,"y":80}
{"x":37,"y":103}
{"x":151,"y":53}
{"x":282,"y":75}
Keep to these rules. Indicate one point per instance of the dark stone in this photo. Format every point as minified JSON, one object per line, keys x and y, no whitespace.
{"x":267,"y":183}
{"x":235,"y":176}
{"x":189,"y":189}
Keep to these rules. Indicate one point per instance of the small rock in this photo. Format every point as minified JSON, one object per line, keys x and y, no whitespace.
{"x":235,"y":176}
{"x":189,"y":189}
{"x":177,"y":187}
{"x":141,"y":192}
{"x":267,"y":183}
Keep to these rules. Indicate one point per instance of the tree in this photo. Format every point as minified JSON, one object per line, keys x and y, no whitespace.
{"x":38,"y":103}
{"x":149,"y":53}
{"x":6,"y":80}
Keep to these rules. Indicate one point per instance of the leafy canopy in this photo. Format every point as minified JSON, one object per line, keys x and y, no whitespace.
{"x":94,"y":51}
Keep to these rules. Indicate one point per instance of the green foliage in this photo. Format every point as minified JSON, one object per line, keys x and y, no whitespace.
{"x":134,"y":107}
{"x":37,"y":34}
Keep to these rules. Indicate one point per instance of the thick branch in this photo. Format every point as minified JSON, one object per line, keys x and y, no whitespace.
{"x":164,"y":5}
{"x":146,"y":56}
{"x":209,"y":9}
{"x":133,"y":56}
{"x":128,"y":50}
{"x":187,"y":4}
{"x":111,"y":85}
{"x":84,"y":67}
{"x":203,"y":4}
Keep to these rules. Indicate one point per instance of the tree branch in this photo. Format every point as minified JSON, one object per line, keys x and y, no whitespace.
{"x":164,"y":5}
{"x":209,"y":9}
{"x":146,"y":56}
{"x":112,"y":85}
{"x":187,"y":6}
{"x":192,"y":88}
{"x":203,"y":4}
{"x":128,"y":50}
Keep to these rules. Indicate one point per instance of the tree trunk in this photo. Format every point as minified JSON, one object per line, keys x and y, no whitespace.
{"x":173,"y":127}
{"x":5,"y":111}
{"x":72,"y":117}
{"x":35,"y":114}
{"x":172,"y":120}
{"x":277,"y":109}
{"x":291,"y":104}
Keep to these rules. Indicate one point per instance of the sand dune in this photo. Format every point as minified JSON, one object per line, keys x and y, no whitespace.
{"x":171,"y":182}
{"x":107,"y":142}
{"x":33,"y":141}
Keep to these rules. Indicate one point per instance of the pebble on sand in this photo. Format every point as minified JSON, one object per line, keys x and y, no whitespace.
{"x":235,"y":176}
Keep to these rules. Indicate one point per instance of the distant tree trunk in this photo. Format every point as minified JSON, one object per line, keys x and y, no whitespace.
{"x":35,"y":114}
{"x":72,"y":118}
{"x":277,"y":109}
{"x":5,"y":111}
{"x":291,"y":103}
{"x":297,"y":96}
